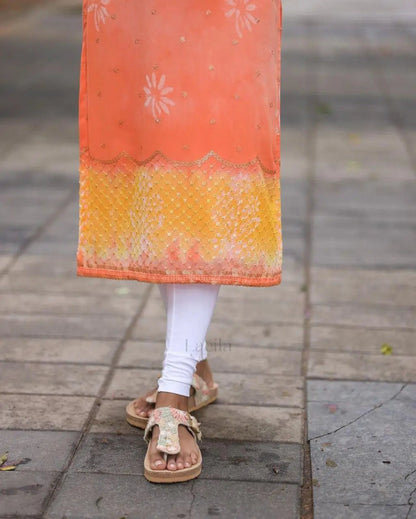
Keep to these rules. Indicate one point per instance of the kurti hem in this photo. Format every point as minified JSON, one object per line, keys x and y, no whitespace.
{"x":179,"y":278}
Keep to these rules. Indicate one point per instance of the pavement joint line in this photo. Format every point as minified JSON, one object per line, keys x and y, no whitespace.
{"x":377,"y":70}
{"x":306,"y":489}
{"x":59,"y":209}
{"x":96,"y":404}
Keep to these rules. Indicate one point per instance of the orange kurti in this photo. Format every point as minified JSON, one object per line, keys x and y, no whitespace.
{"x":179,"y":120}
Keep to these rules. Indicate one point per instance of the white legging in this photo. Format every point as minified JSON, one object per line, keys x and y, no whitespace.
{"x":189,"y":308}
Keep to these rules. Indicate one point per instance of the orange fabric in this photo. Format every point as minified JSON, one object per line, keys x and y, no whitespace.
{"x":179,"y":120}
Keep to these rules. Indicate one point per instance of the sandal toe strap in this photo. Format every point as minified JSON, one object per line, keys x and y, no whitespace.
{"x":168,"y":419}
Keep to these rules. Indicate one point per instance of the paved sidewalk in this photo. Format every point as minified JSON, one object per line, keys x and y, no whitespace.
{"x":317,"y":409}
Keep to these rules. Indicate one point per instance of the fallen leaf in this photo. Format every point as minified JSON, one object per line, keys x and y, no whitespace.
{"x":3,"y":457}
{"x":386,"y":349}
{"x":315,"y":483}
{"x":8,"y":467}
{"x":331,"y":463}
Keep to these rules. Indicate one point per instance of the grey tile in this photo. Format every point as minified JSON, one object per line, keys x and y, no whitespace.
{"x":222,"y":358}
{"x":359,"y":511}
{"x":249,"y":499}
{"x":40,"y":450}
{"x":375,"y":316}
{"x":363,"y":286}
{"x":130,"y":383}
{"x":68,"y":304}
{"x":102,"y":496}
{"x":111,"y":418}
{"x":366,"y":461}
{"x":251,"y":423}
{"x":44,"y":412}
{"x":226,"y":460}
{"x":57,"y":350}
{"x":38,"y":378}
{"x":362,"y":340}
{"x":359,"y":366}
{"x":135,"y":497}
{"x":69,"y":283}
{"x":25,"y":492}
{"x":69,"y":326}
{"x":355,"y":242}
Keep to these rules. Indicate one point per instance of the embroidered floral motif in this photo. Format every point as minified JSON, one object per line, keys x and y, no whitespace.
{"x":156,"y":95}
{"x":168,"y":419}
{"x":100,"y":12}
{"x":241,"y":9}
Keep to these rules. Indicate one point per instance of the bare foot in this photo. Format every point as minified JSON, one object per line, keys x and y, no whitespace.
{"x":188,"y":455}
{"x":203,"y":369}
{"x":143,"y":408}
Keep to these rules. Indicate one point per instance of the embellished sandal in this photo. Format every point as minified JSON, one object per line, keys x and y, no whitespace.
{"x":168,"y":419}
{"x":202,"y":396}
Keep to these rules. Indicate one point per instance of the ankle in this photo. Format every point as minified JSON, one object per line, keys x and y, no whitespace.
{"x":204,"y":371}
{"x":165,"y":399}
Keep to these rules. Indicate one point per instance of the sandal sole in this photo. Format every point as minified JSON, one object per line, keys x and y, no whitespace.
{"x":172,"y":476}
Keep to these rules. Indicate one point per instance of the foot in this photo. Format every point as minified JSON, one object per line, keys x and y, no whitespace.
{"x":188,"y":455}
{"x":143,"y":408}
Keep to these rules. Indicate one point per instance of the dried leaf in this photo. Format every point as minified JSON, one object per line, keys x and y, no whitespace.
{"x":331,"y":463}
{"x":315,"y":482}
{"x":386,"y":349}
{"x":3,"y":457}
{"x":8,"y":467}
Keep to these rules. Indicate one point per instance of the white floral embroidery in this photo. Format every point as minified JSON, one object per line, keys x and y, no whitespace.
{"x":156,"y":95}
{"x":100,"y":12}
{"x":243,"y":17}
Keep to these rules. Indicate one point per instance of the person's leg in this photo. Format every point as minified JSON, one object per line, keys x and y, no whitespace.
{"x":143,"y":408}
{"x":163,"y":288}
{"x":190,"y":307}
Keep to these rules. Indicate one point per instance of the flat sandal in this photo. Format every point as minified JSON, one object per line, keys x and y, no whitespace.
{"x":168,"y":419}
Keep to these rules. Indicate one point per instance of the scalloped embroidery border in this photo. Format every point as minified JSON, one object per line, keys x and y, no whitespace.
{"x":184,"y":163}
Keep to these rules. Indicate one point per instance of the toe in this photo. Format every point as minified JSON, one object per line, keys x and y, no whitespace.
{"x":157,"y":461}
{"x":188,"y":461}
{"x":194,"y":458}
{"x":171,"y":464}
{"x":180,"y":463}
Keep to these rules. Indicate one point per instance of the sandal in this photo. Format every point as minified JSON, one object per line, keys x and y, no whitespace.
{"x":202,"y":396}
{"x":168,"y":419}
